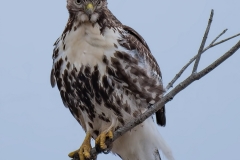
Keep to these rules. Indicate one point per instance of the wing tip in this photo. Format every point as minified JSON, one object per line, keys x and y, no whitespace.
{"x":161,"y":117}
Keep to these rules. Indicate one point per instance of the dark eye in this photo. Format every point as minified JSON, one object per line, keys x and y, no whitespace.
{"x":99,"y":2}
{"x":78,"y":1}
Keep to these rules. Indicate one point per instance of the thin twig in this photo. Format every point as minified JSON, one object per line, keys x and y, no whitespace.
{"x":212,"y":43}
{"x":179,"y":74}
{"x":168,"y":97}
{"x":203,"y":43}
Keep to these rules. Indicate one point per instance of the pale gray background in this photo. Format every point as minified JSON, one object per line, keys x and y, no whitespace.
{"x":202,"y":121}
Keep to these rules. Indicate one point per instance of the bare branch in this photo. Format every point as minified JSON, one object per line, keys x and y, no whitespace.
{"x":203,"y":43}
{"x":168,"y":97}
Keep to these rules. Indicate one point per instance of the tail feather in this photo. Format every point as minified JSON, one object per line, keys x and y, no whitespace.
{"x":142,"y":143}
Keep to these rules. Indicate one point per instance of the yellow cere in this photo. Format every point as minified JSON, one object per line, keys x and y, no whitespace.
{"x":89,"y":6}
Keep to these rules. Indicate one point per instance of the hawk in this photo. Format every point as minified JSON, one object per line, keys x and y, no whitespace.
{"x":107,"y":76}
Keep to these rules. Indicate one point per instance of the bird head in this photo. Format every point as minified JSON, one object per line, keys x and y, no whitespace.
{"x":86,"y":10}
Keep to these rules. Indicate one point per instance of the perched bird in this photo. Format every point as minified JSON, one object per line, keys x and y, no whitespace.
{"x":107,"y":76}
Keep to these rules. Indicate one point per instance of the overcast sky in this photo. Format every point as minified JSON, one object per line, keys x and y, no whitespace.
{"x":202,"y":121}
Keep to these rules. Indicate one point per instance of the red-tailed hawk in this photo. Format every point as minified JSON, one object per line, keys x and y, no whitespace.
{"x":107,"y":76}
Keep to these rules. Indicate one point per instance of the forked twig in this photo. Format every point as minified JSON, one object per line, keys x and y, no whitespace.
{"x":212,"y":44}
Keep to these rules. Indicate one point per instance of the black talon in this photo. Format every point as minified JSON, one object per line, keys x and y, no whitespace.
{"x":76,"y":156}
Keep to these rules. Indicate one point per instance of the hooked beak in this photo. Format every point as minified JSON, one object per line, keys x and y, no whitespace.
{"x":89,"y":8}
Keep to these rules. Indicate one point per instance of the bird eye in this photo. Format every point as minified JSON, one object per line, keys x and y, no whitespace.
{"x":99,"y":2}
{"x":78,"y":1}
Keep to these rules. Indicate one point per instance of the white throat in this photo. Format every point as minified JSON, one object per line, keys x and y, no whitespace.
{"x":86,"y":45}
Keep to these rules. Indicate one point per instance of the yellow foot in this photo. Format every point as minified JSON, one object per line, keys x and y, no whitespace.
{"x":84,"y":151}
{"x":100,"y":140}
